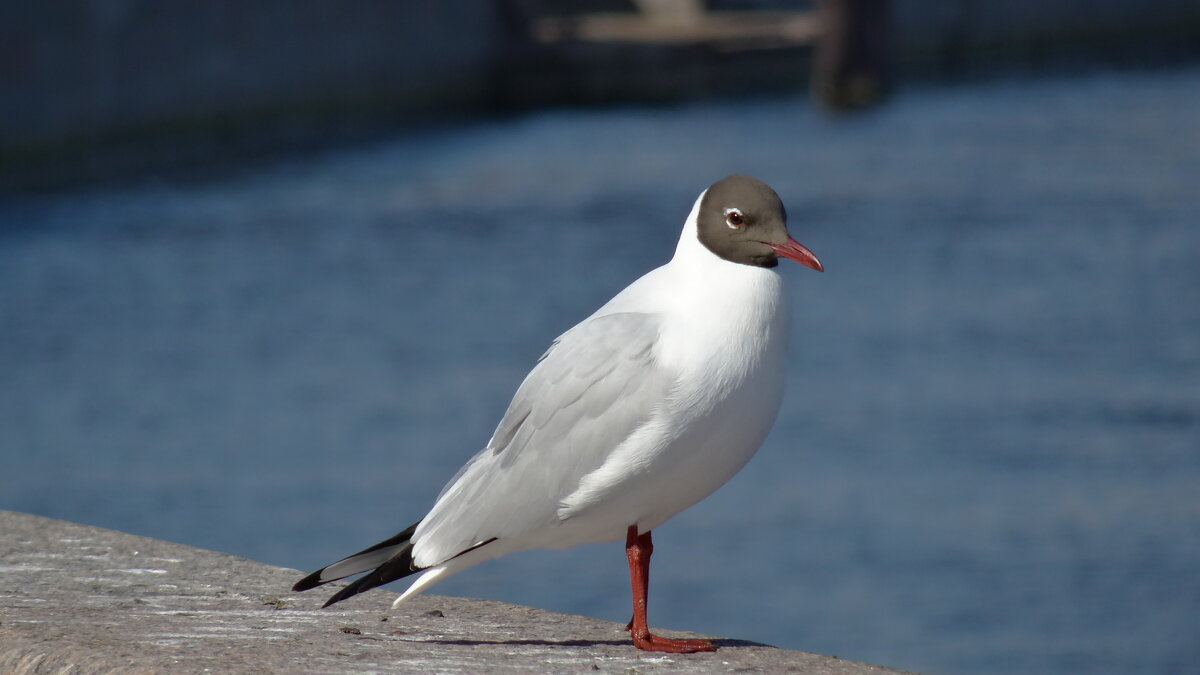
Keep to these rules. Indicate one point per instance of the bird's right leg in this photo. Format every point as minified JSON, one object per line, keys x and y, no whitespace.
{"x":638,"y":549}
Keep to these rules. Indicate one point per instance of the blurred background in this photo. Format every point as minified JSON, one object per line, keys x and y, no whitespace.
{"x":269,"y":272}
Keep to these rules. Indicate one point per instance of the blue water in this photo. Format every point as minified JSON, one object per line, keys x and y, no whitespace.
{"x":988,"y":460}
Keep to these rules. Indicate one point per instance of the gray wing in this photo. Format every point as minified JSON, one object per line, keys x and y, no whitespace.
{"x":596,"y":384}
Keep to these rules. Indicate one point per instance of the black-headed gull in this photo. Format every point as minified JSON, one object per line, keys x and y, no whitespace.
{"x":641,"y":410}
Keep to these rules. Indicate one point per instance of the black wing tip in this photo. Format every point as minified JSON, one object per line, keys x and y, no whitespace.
{"x":360,"y":585}
{"x":396,"y":568}
{"x":309,"y":582}
{"x":337,"y":597}
{"x":376,"y":577}
{"x":313,"y":580}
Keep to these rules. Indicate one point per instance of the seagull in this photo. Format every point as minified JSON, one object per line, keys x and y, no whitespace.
{"x":638,"y":412}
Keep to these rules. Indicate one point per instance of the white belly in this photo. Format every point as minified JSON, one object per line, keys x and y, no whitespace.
{"x":714,"y":422}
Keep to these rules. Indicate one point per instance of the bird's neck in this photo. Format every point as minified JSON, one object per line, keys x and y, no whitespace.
{"x":704,"y":269}
{"x":710,"y":285}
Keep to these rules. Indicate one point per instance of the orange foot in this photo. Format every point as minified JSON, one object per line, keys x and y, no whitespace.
{"x":655,"y":643}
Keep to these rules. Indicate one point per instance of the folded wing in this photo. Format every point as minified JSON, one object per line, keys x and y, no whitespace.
{"x":596,"y":384}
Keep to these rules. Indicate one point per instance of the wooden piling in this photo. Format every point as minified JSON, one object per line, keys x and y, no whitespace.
{"x":852,"y":63}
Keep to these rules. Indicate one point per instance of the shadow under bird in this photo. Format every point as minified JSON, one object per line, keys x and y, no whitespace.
{"x":638,"y":412}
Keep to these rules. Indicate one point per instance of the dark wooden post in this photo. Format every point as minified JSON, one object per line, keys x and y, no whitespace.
{"x":852,"y":64}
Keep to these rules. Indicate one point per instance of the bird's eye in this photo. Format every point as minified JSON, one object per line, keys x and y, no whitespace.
{"x":734,"y":218}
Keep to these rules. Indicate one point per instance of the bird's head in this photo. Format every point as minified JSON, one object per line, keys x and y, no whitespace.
{"x":742,"y":220}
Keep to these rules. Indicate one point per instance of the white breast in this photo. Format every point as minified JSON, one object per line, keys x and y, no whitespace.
{"x":724,"y":337}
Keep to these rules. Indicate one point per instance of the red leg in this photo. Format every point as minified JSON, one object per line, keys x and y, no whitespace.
{"x":638,"y":549}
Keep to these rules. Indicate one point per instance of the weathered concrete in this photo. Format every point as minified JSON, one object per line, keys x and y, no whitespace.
{"x":82,"y":599}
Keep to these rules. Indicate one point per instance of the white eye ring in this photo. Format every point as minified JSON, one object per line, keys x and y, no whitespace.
{"x":734,"y":218}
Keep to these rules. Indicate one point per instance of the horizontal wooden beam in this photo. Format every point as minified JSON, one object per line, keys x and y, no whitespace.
{"x":762,"y":30}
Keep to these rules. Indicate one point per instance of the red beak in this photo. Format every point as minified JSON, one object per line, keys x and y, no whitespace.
{"x":794,"y":250}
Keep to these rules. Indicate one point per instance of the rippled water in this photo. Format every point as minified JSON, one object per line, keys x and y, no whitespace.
{"x":988,"y":460}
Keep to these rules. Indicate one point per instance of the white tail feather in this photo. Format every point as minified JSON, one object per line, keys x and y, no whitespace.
{"x":473,"y":557}
{"x":427,"y":579}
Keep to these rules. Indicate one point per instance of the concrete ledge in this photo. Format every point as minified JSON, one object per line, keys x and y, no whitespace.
{"x":79,"y":599}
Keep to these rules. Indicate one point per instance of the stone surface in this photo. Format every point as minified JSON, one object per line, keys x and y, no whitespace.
{"x":81,"y":599}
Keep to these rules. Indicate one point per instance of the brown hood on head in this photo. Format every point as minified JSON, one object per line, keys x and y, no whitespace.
{"x":742,"y":220}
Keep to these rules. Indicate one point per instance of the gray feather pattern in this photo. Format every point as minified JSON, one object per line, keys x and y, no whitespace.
{"x":596,"y":384}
